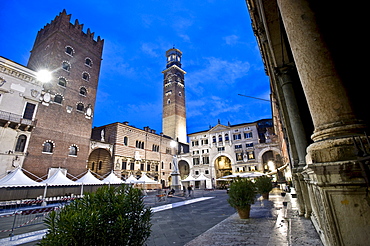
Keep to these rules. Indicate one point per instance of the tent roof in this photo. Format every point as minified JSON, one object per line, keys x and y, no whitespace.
{"x":88,"y":178}
{"x":202,"y":177}
{"x":58,"y":178}
{"x":17,"y":178}
{"x":145,"y":179}
{"x":131,"y":180}
{"x":189,"y":178}
{"x":112,"y":179}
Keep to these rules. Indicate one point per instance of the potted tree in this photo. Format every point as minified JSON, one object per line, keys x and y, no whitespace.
{"x":264,"y":186}
{"x":242,"y":194}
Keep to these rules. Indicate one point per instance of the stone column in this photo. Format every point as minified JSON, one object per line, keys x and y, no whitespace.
{"x":327,"y":99}
{"x":299,"y":134}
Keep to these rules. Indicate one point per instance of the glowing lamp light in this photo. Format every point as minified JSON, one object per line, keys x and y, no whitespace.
{"x":271,"y":165}
{"x":44,"y":76}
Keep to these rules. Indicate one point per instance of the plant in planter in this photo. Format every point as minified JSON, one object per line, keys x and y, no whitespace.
{"x":242,"y":194}
{"x":110,"y":216}
{"x":264,"y":186}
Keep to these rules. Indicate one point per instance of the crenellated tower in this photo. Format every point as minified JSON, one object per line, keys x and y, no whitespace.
{"x":174,"y":109}
{"x":65,"y":113}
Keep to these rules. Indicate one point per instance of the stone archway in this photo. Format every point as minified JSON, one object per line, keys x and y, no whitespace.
{"x":100,"y":161}
{"x":222,"y":166}
{"x":184,"y":169}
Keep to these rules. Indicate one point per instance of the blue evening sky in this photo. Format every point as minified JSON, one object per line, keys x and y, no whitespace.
{"x":220,"y":56}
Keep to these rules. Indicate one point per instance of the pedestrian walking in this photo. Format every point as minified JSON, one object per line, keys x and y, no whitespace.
{"x":189,"y":190}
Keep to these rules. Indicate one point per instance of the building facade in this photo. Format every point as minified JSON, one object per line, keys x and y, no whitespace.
{"x":65,"y":114}
{"x":174,"y":108}
{"x":224,"y":150}
{"x":132,"y":151}
{"x":309,"y":50}
{"x":19,"y":97}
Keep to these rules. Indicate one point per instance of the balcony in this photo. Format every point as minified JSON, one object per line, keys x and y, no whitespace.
{"x":16,"y":121}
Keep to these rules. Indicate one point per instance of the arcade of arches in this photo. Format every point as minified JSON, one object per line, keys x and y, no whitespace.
{"x":100,"y":161}
{"x":184,"y":169}
{"x":223,"y":166}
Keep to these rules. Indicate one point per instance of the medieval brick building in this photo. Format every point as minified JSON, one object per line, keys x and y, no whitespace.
{"x":64,"y":116}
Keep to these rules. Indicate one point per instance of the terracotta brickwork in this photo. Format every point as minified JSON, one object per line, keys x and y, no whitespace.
{"x":67,"y":103}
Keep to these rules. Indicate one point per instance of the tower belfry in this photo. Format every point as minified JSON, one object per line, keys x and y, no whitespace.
{"x":174,"y":110}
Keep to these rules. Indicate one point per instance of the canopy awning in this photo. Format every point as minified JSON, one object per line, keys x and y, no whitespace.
{"x":17,"y":178}
{"x":58,"y":178}
{"x":89,"y":179}
{"x":112,"y":179}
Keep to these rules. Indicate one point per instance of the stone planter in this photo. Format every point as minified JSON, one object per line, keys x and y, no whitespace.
{"x":244,"y":212}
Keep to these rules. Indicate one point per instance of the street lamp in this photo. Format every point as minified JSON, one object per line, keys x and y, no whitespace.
{"x":43,"y":76}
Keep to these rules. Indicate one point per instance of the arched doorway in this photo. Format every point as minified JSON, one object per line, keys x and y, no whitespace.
{"x":222,"y":166}
{"x":100,"y":161}
{"x":184,"y":169}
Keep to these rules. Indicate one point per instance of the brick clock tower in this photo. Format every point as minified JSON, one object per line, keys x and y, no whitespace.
{"x":64,"y":115}
{"x":174,"y":110}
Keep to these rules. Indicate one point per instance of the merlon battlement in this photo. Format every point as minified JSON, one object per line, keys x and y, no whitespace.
{"x":63,"y":21}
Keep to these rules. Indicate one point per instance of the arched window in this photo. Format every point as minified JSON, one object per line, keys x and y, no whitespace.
{"x":100,"y":165}
{"x":66,"y":66}
{"x":168,"y":101}
{"x":220,"y":138}
{"x":92,"y":166}
{"x":214,"y":139}
{"x":80,"y":107}
{"x":83,"y":91}
{"x":69,"y":50}
{"x":21,"y":143}
{"x":88,"y":62}
{"x":48,"y":147}
{"x":125,"y":141}
{"x":58,"y":99}
{"x":73,"y":150}
{"x":62,"y":82}
{"x":86,"y":76}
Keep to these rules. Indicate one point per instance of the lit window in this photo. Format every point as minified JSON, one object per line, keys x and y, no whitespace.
{"x":58,"y":99}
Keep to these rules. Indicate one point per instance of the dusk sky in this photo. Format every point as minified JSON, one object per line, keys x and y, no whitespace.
{"x":220,"y":56}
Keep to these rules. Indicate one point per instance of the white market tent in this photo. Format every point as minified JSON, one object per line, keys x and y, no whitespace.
{"x":58,"y":178}
{"x":189,"y":178}
{"x":89,"y":179}
{"x":202,"y":177}
{"x":112,"y":179}
{"x":146,"y":180}
{"x":131,"y":180}
{"x":252,"y":175}
{"x":17,"y":178}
